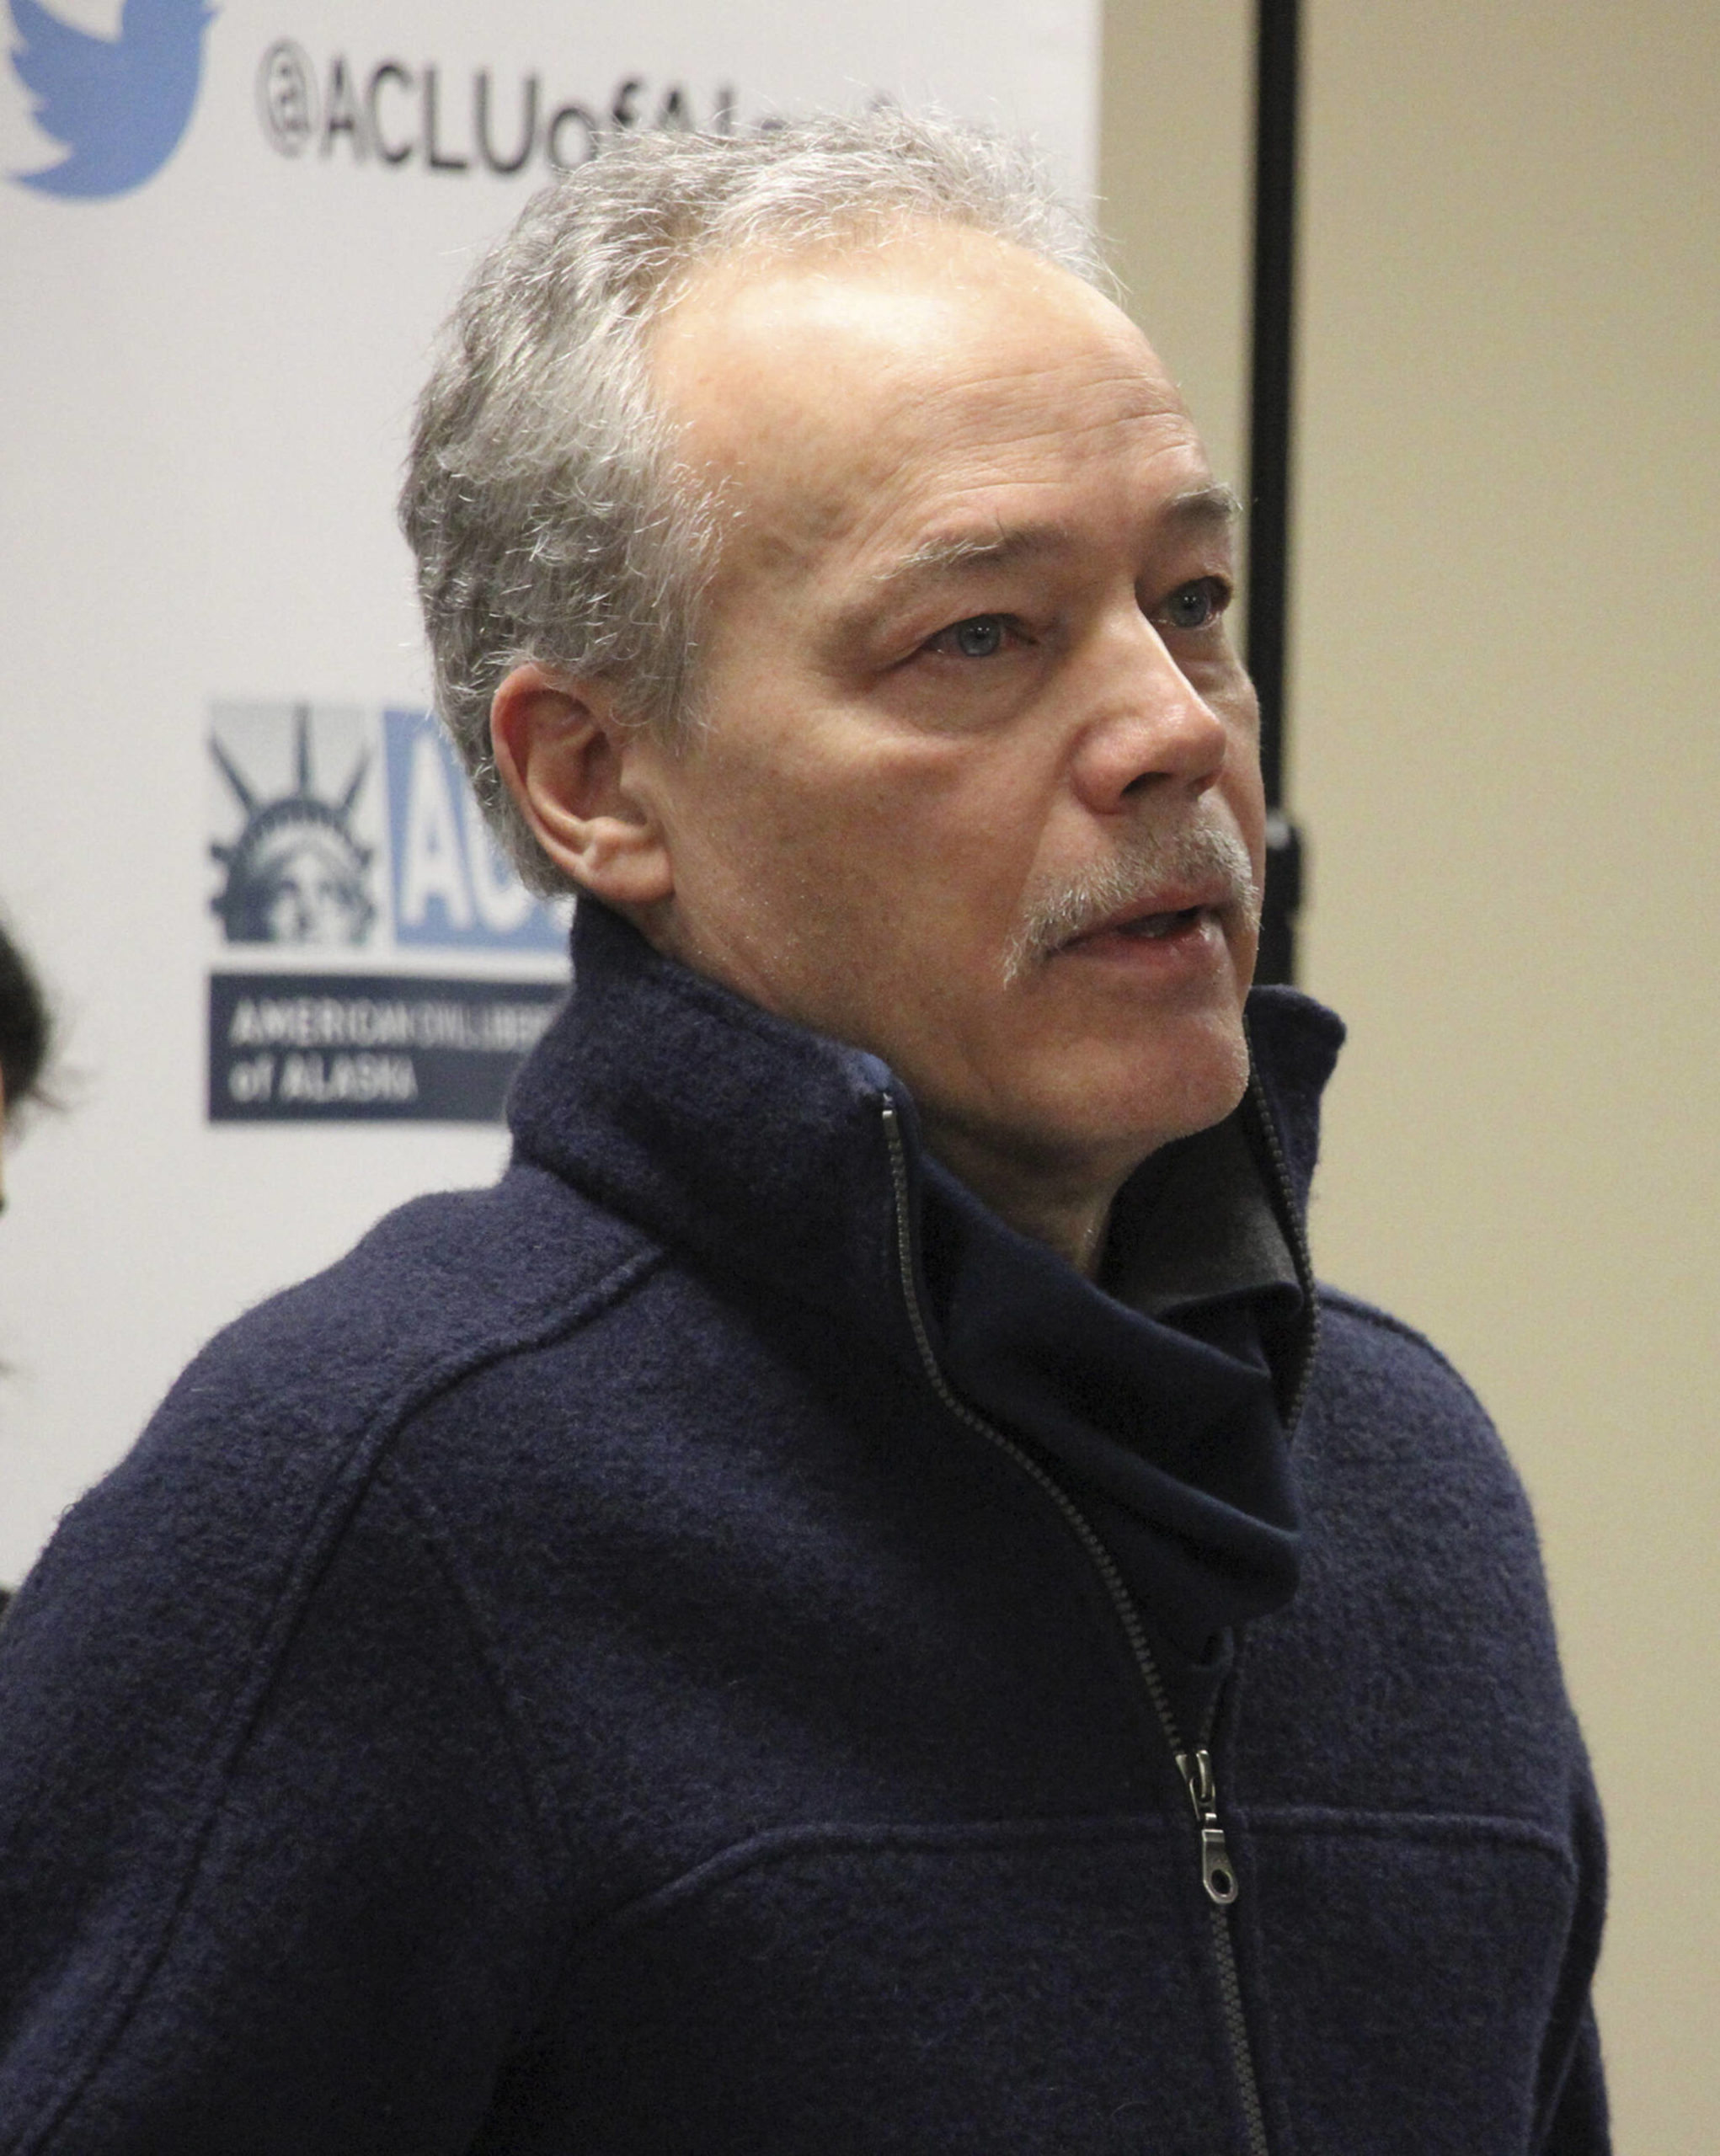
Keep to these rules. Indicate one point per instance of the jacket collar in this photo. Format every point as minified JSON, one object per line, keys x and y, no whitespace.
{"x":745,"y":1141}
{"x":759,"y":1146}
{"x":761,"y":1151}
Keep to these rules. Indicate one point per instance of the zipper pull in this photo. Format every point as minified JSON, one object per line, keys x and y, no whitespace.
{"x":1217,"y":1874}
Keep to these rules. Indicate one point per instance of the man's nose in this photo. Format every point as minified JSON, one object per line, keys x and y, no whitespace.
{"x":1149,"y":731}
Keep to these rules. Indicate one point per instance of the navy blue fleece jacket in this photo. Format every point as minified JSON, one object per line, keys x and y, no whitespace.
{"x":590,"y":1672}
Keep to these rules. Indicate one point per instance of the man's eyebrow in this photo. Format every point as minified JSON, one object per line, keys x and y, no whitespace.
{"x":1216,"y":505}
{"x":959,"y":550}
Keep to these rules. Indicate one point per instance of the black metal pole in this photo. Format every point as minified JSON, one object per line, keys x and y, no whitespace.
{"x":1277,"y":82}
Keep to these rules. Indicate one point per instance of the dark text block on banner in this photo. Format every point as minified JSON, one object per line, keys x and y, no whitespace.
{"x":294,"y":1047}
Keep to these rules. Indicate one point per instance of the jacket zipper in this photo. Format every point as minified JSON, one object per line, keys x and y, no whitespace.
{"x":1217,"y":1875}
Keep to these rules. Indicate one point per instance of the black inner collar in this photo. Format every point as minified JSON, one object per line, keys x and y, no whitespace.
{"x":1194,"y":1224}
{"x":1158,"y":1395}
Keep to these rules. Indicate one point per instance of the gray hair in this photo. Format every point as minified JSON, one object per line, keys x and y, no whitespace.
{"x":543,"y":498}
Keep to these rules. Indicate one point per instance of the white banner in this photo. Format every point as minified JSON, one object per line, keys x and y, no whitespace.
{"x":292,"y":975}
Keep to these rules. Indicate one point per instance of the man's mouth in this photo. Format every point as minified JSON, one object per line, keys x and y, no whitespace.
{"x":1150,"y":924}
{"x":1154,"y":927}
{"x":1182,"y":890}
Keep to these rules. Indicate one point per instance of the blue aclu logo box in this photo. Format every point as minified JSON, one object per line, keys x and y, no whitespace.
{"x":452,"y":887}
{"x":379,"y":958}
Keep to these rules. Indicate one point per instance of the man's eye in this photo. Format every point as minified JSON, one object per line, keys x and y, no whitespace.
{"x":1198,"y":605}
{"x":982,"y":637}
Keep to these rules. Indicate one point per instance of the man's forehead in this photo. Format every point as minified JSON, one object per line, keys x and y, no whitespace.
{"x":821,"y":393}
{"x":936,"y":310}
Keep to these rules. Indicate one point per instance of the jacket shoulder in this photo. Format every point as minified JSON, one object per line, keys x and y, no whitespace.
{"x":1416,"y":1669}
{"x":1374,"y":1370}
{"x":250,"y":1470}
{"x":443,"y":1283}
{"x":260,"y":1603}
{"x":1412,"y":1499}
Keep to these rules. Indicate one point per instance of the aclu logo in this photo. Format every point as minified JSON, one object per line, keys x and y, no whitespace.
{"x":336,"y":829}
{"x":393,"y":115}
{"x":377,"y":957}
{"x":118,"y":106}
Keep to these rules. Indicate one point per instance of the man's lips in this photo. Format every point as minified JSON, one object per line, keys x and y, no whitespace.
{"x":1156,"y":919}
{"x":1154,"y":927}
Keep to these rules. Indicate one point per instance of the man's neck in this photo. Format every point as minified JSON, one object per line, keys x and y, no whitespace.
{"x":1065,"y":1208}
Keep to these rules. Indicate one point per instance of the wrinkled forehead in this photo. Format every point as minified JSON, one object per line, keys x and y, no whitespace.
{"x":817,"y":394}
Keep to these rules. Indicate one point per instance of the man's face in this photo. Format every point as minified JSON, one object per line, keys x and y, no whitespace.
{"x":977,"y":787}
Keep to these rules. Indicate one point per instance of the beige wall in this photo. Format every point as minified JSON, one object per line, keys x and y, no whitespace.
{"x":1506,"y":752}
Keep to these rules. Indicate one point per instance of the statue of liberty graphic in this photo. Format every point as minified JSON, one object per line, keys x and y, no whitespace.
{"x":296,"y":873}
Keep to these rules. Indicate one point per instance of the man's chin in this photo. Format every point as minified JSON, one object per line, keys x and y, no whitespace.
{"x":1168,"y":1090}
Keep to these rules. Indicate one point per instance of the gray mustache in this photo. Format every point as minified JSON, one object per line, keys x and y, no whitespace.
{"x":1202,"y":853}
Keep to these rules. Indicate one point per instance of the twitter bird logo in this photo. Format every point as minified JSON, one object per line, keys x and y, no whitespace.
{"x":119,"y":104}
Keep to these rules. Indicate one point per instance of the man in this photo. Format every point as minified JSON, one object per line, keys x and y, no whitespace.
{"x":848,"y":1605}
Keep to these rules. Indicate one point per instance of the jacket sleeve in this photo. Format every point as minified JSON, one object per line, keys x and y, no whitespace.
{"x":271,"y":1876}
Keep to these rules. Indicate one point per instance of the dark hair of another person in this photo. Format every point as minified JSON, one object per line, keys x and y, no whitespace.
{"x":25,"y":1027}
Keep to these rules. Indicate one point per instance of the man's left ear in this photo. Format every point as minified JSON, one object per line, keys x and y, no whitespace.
{"x":573,"y":765}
